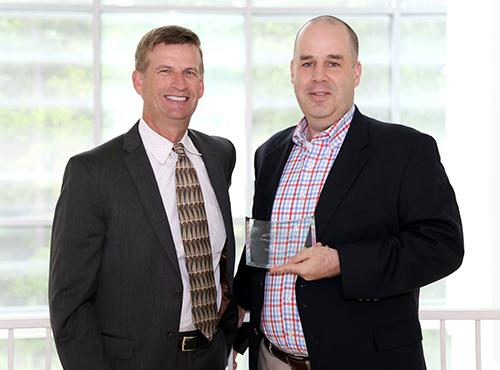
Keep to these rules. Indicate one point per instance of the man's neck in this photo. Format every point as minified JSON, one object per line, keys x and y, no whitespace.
{"x":172,"y":132}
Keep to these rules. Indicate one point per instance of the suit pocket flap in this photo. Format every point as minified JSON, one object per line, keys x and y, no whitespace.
{"x":397,"y":334}
{"x":118,"y":347}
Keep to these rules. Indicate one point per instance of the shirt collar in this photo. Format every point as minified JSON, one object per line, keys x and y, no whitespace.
{"x":161,"y":147}
{"x":299,"y":135}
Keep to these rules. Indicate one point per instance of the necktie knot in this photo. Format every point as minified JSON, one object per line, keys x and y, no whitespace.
{"x":178,"y":148}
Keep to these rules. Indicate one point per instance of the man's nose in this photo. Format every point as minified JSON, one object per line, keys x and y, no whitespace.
{"x":319,"y":73}
{"x":179,"y":81}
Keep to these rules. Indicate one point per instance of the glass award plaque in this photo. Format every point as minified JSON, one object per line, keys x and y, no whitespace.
{"x":271,"y":243}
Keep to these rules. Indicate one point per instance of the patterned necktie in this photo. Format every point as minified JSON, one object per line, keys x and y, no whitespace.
{"x":196,"y":241}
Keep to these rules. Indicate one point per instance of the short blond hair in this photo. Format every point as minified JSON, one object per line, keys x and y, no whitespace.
{"x":168,"y":35}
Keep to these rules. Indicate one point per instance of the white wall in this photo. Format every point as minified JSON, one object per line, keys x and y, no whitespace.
{"x":471,"y":156}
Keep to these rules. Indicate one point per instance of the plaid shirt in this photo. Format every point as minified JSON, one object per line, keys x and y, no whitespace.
{"x":298,"y":192}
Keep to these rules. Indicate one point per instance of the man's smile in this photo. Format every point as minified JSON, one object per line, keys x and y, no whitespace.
{"x":176,"y":98}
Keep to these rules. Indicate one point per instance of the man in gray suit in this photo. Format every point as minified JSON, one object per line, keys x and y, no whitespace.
{"x":142,"y":253}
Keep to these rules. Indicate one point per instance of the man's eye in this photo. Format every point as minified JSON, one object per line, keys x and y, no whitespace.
{"x":165,"y":70}
{"x":306,"y":64}
{"x":333,"y":64}
{"x":191,"y":73}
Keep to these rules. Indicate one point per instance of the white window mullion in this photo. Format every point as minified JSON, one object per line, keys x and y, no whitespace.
{"x":96,"y":43}
{"x":248,"y":103}
{"x":395,"y":61}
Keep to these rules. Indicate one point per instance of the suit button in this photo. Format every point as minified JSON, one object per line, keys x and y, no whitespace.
{"x":170,"y":336}
{"x":177,"y":293}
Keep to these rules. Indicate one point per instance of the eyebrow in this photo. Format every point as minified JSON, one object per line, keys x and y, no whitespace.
{"x":329,"y":56}
{"x":162,"y":66}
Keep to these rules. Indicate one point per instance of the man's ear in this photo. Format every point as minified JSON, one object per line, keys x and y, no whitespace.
{"x":138,"y":81}
{"x":292,"y":74}
{"x":202,"y":87}
{"x":357,"y":73}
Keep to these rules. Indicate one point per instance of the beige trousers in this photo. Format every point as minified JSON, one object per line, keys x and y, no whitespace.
{"x":268,"y":362}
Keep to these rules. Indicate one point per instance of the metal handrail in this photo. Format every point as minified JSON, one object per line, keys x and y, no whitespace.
{"x":42,"y":322}
{"x":39,"y":322}
{"x":472,"y":315}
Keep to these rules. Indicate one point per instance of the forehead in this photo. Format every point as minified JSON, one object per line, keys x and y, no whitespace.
{"x":323,"y":36}
{"x":185,"y":55}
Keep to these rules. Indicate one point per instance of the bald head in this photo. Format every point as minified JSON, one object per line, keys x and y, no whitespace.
{"x":325,"y":71}
{"x":334,"y":21}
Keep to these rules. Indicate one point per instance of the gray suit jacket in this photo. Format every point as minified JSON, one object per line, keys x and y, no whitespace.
{"x":115,"y":291}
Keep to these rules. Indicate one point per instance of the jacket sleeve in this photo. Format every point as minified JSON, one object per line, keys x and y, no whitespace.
{"x":76,"y":247}
{"x":429,"y":244}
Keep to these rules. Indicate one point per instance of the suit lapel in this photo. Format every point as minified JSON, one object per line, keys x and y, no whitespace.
{"x":271,"y":167}
{"x":137,"y":163}
{"x":350,"y":161}
{"x":213,"y":163}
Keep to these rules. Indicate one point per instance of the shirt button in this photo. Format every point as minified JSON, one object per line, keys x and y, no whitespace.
{"x":289,"y":298}
{"x":303,"y":195}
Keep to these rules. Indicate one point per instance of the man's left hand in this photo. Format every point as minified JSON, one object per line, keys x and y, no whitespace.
{"x":317,"y":262}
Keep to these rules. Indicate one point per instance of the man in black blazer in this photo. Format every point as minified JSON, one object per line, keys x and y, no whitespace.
{"x":119,"y":287}
{"x":387,"y":223}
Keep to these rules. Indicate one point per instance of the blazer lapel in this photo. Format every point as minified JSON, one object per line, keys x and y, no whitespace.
{"x":269,"y":174}
{"x":213,"y":161}
{"x":137,"y":162}
{"x":347,"y":166}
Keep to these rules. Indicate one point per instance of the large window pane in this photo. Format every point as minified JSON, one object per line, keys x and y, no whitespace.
{"x":274,"y":105}
{"x":221,"y":111}
{"x":373,"y":93}
{"x":24,"y":255}
{"x":329,"y":3}
{"x":423,"y":3}
{"x":65,"y":2}
{"x":423,"y":80}
{"x":175,"y":2}
{"x":45,"y":106}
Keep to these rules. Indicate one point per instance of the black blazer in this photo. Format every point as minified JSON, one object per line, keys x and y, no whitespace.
{"x":389,"y":210}
{"x":115,"y":291}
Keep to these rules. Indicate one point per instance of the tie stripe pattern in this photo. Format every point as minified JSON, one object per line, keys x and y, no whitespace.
{"x":196,"y":241}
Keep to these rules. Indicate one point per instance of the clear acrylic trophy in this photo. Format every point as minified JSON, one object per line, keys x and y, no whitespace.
{"x":271,"y":243}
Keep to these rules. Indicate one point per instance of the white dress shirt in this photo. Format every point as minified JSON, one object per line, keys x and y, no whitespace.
{"x":163,"y":160}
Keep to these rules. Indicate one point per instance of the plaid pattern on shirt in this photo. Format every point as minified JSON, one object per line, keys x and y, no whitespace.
{"x":298,"y":192}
